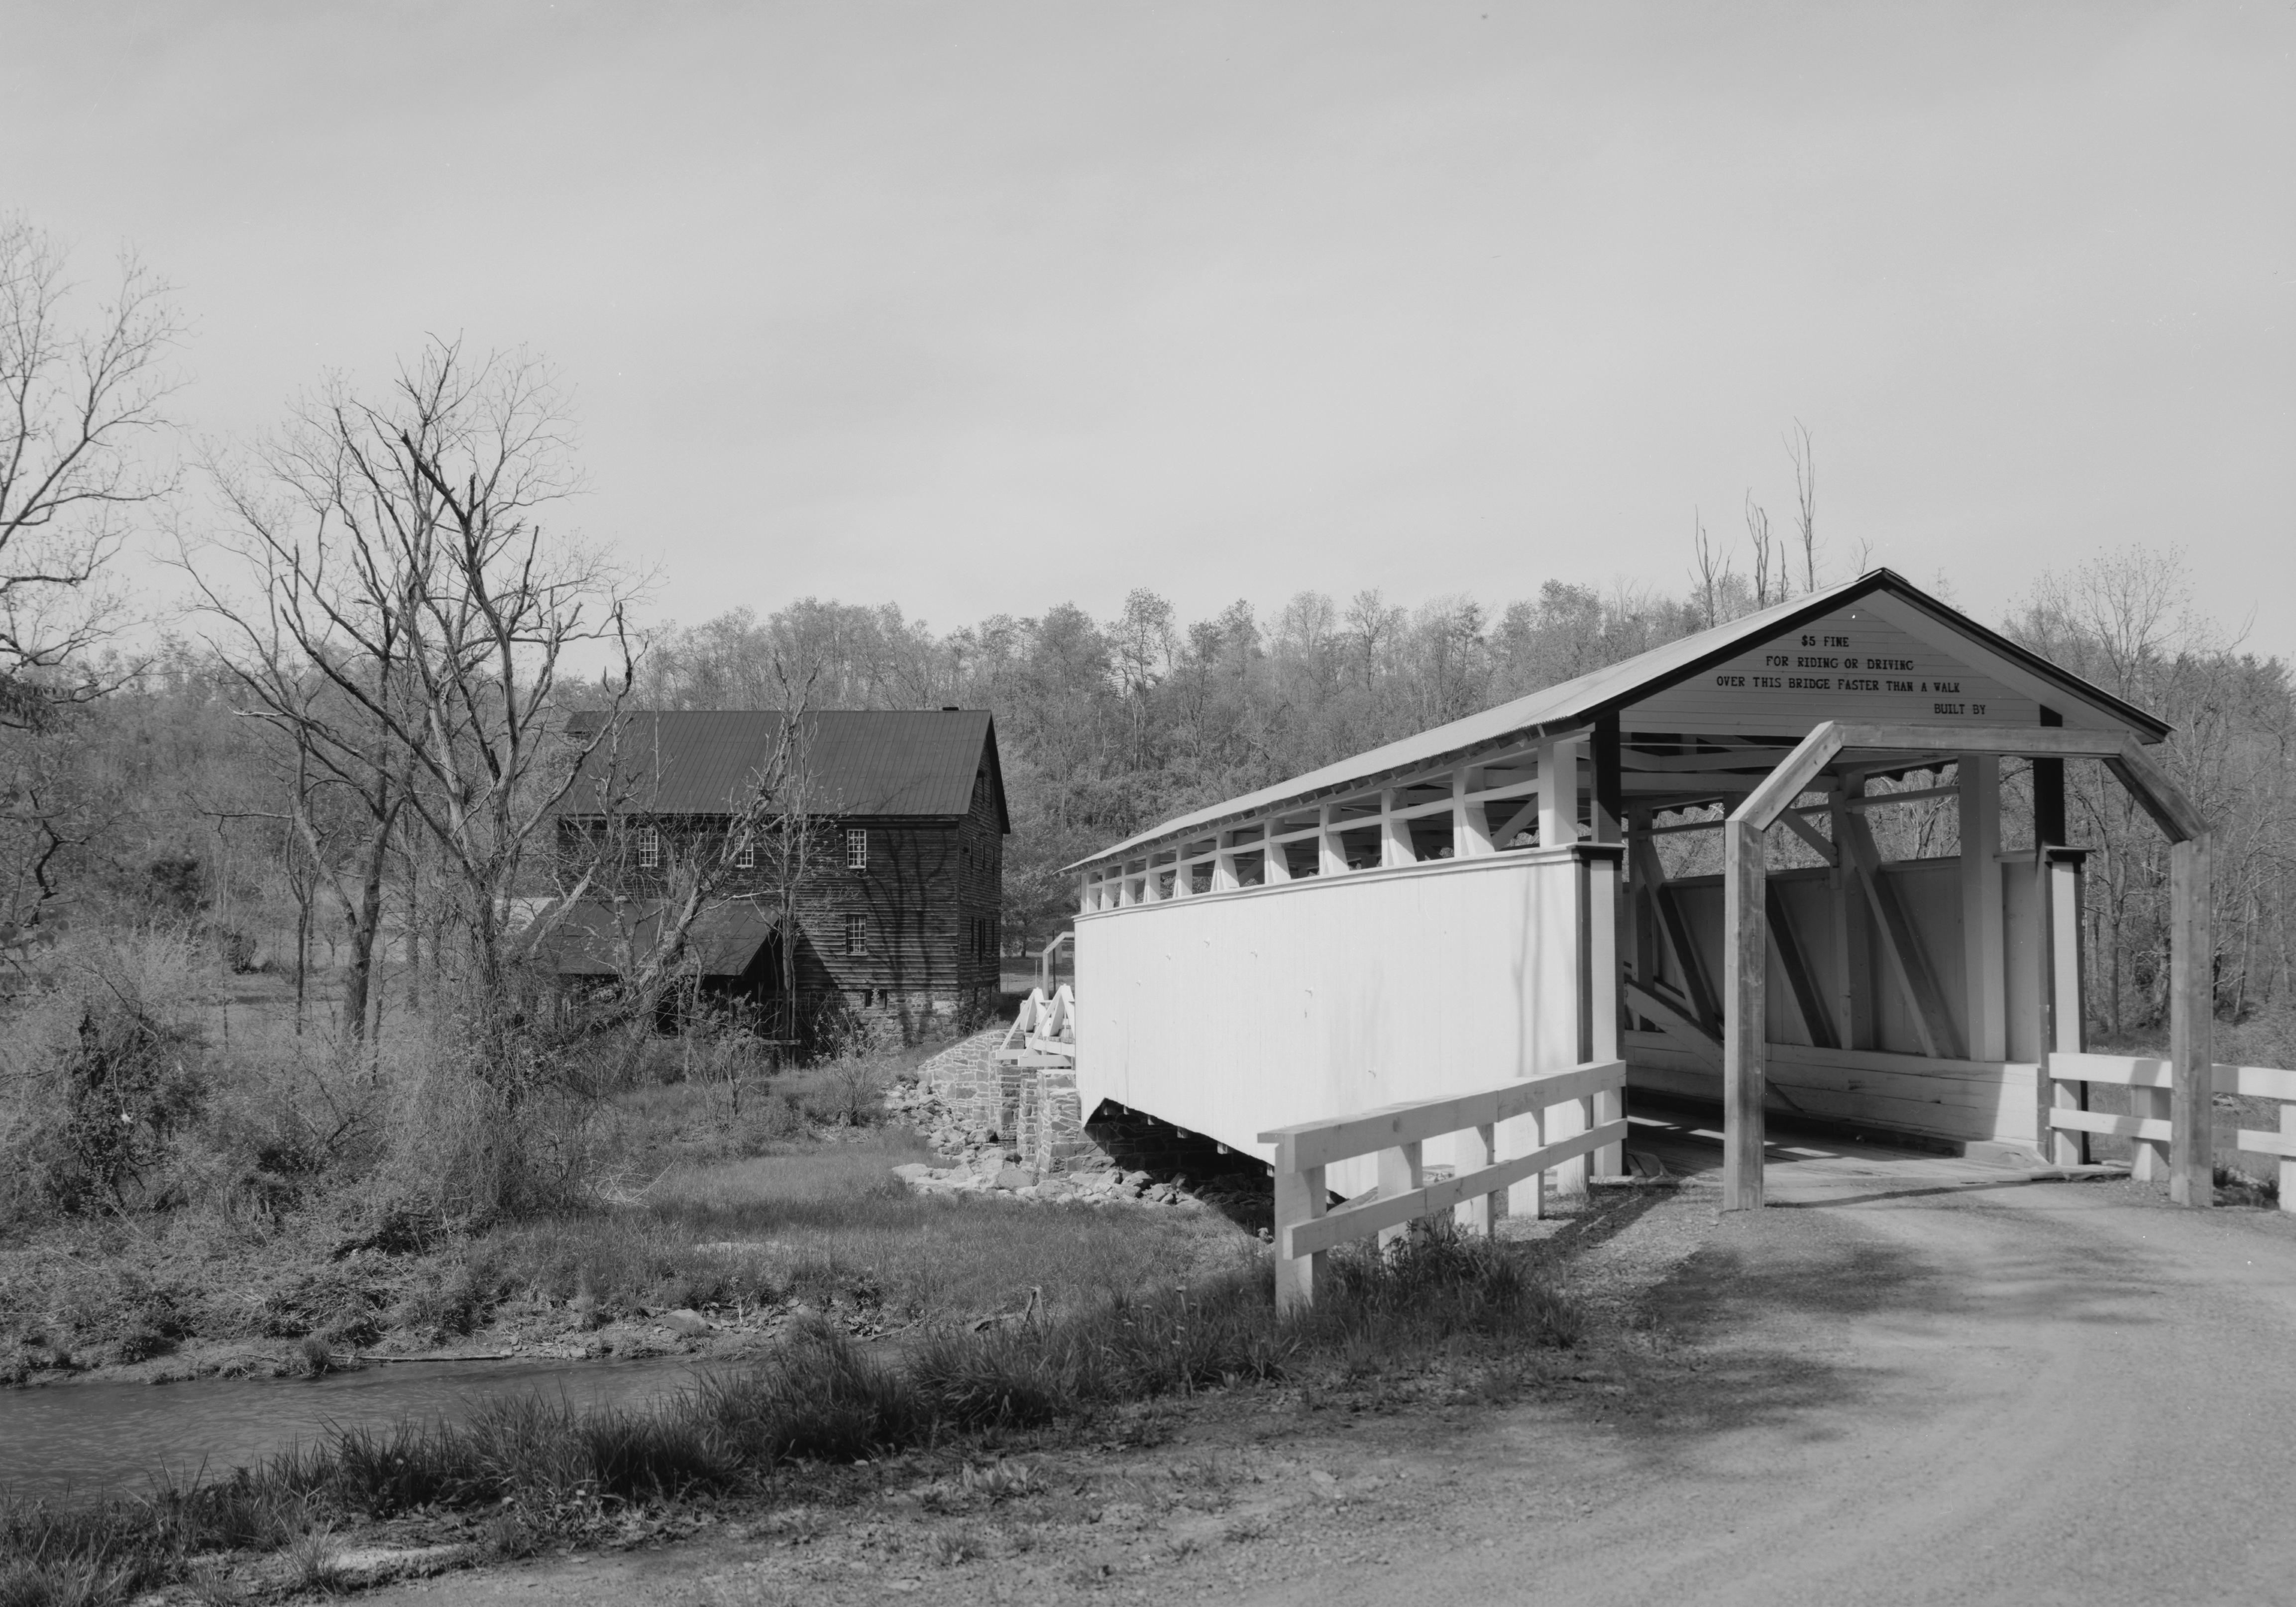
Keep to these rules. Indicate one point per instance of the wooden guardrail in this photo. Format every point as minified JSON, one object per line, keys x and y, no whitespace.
{"x":1304,"y":1226}
{"x":1044,"y":1032}
{"x":2143,"y":1072}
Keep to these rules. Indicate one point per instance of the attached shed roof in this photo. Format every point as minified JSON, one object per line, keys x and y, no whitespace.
{"x":858,"y":762}
{"x":1576,"y":703}
{"x":589,"y":938}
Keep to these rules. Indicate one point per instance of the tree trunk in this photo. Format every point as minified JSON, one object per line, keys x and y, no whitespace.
{"x":363,"y":921}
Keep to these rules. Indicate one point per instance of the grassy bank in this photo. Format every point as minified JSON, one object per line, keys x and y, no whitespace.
{"x":515,"y":1477}
{"x":748,"y":1233}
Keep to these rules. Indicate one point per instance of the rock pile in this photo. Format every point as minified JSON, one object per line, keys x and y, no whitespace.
{"x":955,"y":1101}
{"x":986,"y":1171}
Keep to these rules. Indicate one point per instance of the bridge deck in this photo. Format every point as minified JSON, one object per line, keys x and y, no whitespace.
{"x":1810,"y":1163}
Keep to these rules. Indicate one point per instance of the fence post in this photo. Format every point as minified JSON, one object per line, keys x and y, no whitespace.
{"x":1603,"y":1005}
{"x":2287,"y":1164}
{"x":1400,"y":1173}
{"x":2060,"y":910}
{"x":1745,"y":956}
{"x":1301,"y":1196}
{"x":1478,"y":1147}
{"x":2191,"y":1018}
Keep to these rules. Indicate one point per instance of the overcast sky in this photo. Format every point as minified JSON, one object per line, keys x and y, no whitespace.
{"x":980,"y":308}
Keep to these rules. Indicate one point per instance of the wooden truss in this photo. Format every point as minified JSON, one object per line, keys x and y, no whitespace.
{"x":1748,"y":928}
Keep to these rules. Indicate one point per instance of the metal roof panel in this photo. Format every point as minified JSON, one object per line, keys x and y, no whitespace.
{"x":857,"y":761}
{"x":1576,"y":702}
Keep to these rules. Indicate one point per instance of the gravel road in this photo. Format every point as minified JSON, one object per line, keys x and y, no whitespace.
{"x":1908,"y":1380}
{"x":2033,"y":1393}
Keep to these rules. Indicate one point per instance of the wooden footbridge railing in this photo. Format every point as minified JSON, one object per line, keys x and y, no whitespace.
{"x":1044,"y":1033}
{"x":1305,"y":1229}
{"x":2149,"y":1082}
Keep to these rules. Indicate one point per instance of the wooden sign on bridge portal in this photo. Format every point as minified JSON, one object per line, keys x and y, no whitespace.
{"x":1718,"y":863}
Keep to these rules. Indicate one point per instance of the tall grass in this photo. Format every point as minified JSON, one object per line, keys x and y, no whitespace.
{"x":544,"y":1468}
{"x":824,"y":1222}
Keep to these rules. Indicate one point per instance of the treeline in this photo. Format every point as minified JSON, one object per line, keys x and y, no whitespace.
{"x":344,"y":763}
{"x":173,"y":797}
{"x":1108,"y":726}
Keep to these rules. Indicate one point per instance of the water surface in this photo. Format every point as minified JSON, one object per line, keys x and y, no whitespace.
{"x":85,"y":1439}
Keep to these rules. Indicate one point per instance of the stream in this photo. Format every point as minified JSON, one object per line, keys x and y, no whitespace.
{"x":87,"y":1440}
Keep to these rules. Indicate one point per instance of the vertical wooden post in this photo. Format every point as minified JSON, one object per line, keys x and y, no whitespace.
{"x":1642,"y":909}
{"x":1570,"y":1176}
{"x":1744,"y":960}
{"x":1395,"y":846}
{"x":2152,"y":1161}
{"x":1853,"y":958}
{"x":1182,"y":887}
{"x":1558,"y":790}
{"x":1331,"y":853}
{"x":1471,"y":827}
{"x":1399,"y":1172}
{"x":1608,"y":815}
{"x":2044,"y":1040}
{"x":1528,"y":1198}
{"x":2192,"y":1024}
{"x":1224,"y":877}
{"x":2287,"y":1165}
{"x":1301,"y":1196}
{"x":2066,"y":1023}
{"x":1275,"y":865}
{"x":1477,"y":1147}
{"x":1605,"y":1000}
{"x":1986,"y":967}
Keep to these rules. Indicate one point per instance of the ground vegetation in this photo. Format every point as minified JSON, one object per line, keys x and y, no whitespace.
{"x":822,"y":1421}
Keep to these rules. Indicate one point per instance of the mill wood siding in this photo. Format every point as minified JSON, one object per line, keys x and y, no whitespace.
{"x":927,"y":882}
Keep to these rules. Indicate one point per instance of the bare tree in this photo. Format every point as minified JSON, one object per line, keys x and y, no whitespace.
{"x":77,"y":398}
{"x":410,"y":573}
{"x":75,"y":402}
{"x":1758,"y":529}
{"x":1713,"y":570}
{"x":1805,"y":463}
{"x":354,"y":772}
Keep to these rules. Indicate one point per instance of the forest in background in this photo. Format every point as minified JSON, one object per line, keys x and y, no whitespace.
{"x":182,"y":809}
{"x":1110,"y":725}
{"x":332,"y":789}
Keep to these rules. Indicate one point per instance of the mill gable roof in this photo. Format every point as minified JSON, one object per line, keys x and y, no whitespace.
{"x":858,"y":762}
{"x":1641,"y":683}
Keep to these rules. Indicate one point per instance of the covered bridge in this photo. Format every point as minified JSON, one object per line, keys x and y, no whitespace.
{"x":1524,"y":891}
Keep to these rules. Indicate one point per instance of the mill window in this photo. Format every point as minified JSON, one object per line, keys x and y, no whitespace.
{"x":857,"y":850}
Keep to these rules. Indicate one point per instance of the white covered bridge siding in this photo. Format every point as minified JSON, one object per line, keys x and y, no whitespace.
{"x":1489,"y":901}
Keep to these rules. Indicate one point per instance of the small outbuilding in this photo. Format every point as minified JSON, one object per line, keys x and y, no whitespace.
{"x":1515,"y":893}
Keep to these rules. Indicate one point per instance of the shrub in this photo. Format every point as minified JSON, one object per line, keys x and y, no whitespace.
{"x":107,"y":1072}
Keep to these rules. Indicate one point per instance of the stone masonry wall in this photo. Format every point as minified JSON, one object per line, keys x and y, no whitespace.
{"x":966,"y":1103}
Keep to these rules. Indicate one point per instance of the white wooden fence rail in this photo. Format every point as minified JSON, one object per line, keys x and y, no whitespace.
{"x":2140,"y":1073}
{"x":1305,"y":1228}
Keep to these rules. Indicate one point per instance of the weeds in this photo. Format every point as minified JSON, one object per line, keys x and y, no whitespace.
{"x":952,"y":1547}
{"x":311,"y":1559}
{"x":2235,"y":1186}
{"x":539,"y":1469}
